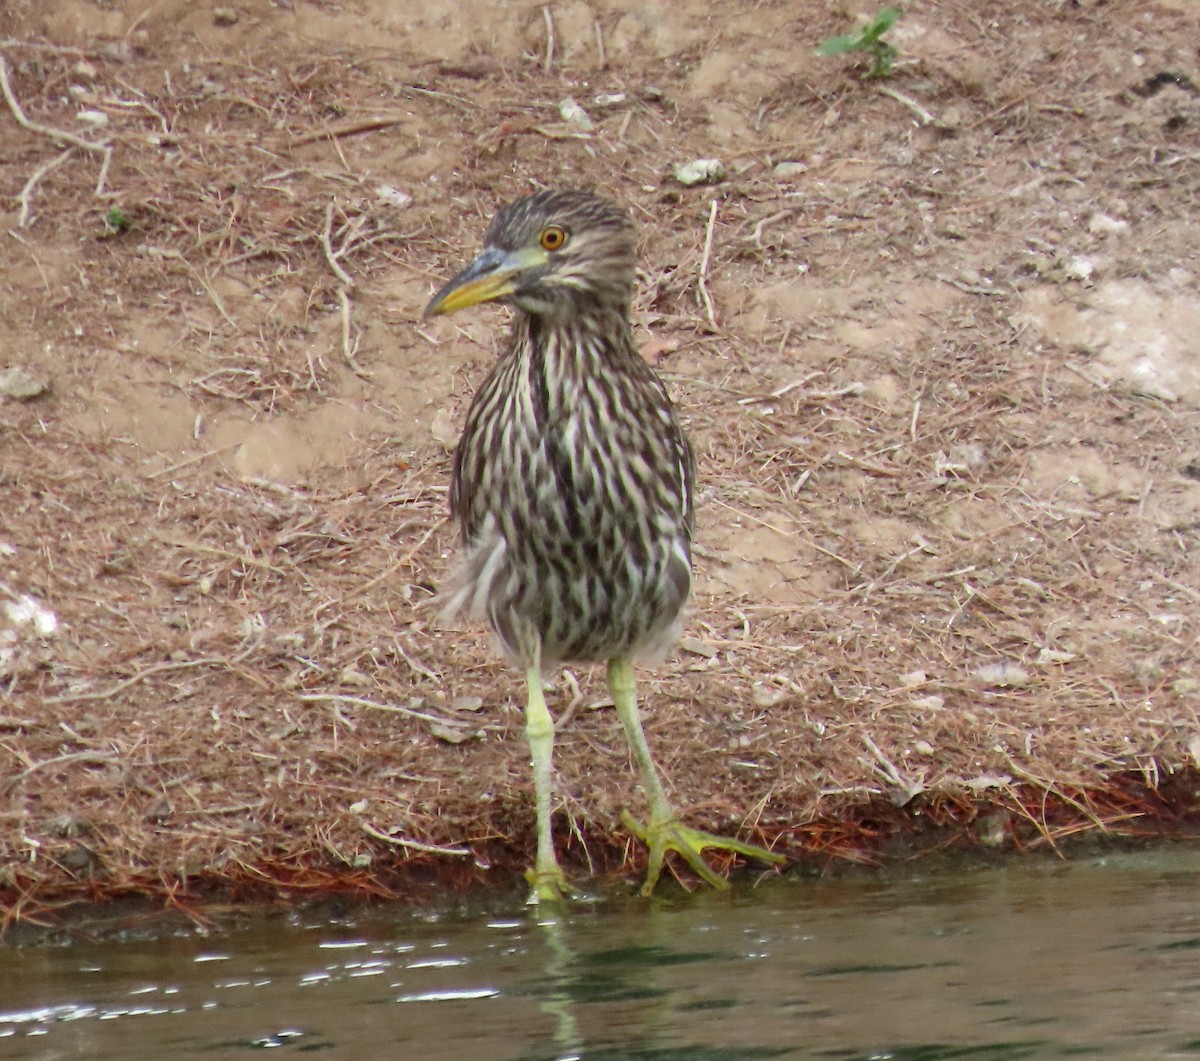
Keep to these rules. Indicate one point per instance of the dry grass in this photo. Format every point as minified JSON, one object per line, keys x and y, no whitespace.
{"x":944,"y":644}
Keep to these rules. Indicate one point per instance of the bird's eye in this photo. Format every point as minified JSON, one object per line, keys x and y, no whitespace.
{"x":552,"y":237}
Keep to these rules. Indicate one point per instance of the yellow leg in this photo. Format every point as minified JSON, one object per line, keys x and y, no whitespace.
{"x":663,"y":832}
{"x":546,"y":877}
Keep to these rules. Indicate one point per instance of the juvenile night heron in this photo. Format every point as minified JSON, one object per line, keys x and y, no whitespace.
{"x":573,"y":489}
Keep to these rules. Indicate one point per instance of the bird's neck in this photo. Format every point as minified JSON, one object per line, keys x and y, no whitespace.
{"x":569,"y":367}
{"x":585,"y":325}
{"x":590,"y":339}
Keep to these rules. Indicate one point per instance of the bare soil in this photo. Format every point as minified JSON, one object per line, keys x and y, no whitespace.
{"x":935,"y":339}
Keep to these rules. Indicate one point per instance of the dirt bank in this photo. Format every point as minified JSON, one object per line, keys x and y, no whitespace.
{"x":934,"y":338}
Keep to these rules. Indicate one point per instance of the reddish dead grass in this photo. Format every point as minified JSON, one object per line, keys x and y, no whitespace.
{"x":943,"y":644}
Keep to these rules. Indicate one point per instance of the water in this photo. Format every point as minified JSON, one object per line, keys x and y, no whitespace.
{"x":1095,"y":958}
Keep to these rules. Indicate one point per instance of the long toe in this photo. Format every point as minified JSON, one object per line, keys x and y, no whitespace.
{"x":548,"y":887}
{"x":672,"y":835}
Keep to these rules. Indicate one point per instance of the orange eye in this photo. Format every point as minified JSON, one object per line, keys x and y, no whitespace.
{"x":552,"y":238}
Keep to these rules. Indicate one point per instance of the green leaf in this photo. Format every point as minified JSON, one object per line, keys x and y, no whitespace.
{"x":879,"y":25}
{"x":116,"y":220}
{"x":837,"y":45}
{"x":886,"y":19}
{"x":868,"y":39}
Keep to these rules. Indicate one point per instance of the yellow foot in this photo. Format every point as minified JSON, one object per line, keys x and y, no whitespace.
{"x":548,"y":886}
{"x":690,"y":843}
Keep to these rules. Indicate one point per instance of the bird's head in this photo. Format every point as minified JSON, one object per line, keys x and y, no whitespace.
{"x":549,"y":254}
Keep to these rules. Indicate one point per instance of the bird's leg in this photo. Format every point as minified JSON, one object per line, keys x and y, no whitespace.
{"x":663,"y":831}
{"x":546,"y":877}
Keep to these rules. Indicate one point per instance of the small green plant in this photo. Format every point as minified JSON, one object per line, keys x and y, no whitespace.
{"x":116,"y":221}
{"x":868,"y":39}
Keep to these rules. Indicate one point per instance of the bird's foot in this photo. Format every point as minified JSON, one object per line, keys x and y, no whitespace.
{"x":548,"y":886}
{"x":672,"y":835}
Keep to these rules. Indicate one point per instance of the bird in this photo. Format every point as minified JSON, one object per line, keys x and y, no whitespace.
{"x":573,"y":490}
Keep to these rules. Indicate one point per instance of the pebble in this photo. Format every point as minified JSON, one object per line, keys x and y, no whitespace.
{"x":700,"y":171}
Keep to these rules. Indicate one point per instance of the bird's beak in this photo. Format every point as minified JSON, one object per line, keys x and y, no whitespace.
{"x":490,"y":276}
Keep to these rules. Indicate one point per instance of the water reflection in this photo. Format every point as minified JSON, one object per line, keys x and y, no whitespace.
{"x":1098,"y":959}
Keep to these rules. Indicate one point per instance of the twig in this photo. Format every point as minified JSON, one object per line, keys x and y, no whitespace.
{"x":848,"y":564}
{"x":98,"y":758}
{"x":926,"y":117}
{"x":358,"y":701}
{"x":415,"y":665}
{"x":102,"y":177}
{"x":215,"y":550}
{"x":142,"y":675}
{"x":1181,"y":587}
{"x":559,"y":134}
{"x":59,"y":135}
{"x":783,"y":215}
{"x":327,"y":246}
{"x":60,"y":49}
{"x":146,"y":13}
{"x":366,"y":125}
{"x":174,"y":255}
{"x":1049,"y":788}
{"x":854,"y":388}
{"x":549,"y":40}
{"x":754,"y":519}
{"x":704,"y":258}
{"x":1087,"y":377}
{"x":36,"y":127}
{"x":205,"y":283}
{"x":458,"y":101}
{"x":350,"y":344}
{"x":869,"y":466}
{"x":577,"y":698}
{"x":27,"y":192}
{"x":366,"y":587}
{"x":908,"y":789}
{"x":196,"y":459}
{"x":786,"y":388}
{"x":412,"y":845}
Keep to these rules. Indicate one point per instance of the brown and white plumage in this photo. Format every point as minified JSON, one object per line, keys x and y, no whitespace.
{"x":573,"y":483}
{"x":573,"y":480}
